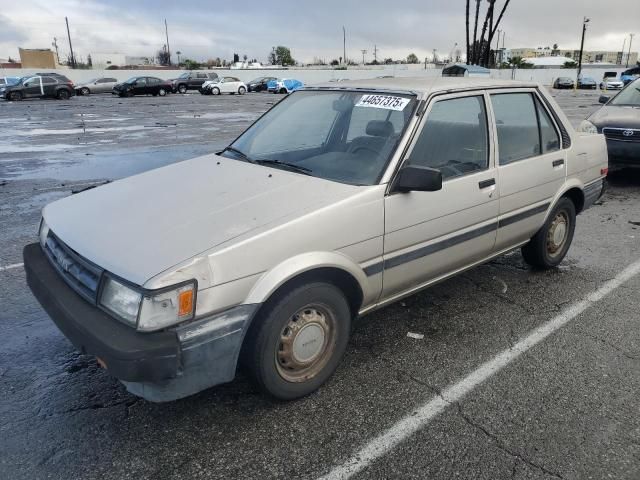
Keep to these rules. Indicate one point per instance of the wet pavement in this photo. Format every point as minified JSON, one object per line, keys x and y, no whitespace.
{"x":567,"y":408}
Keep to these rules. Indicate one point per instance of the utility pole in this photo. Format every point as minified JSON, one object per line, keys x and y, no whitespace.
{"x":166,"y":32}
{"x":435,"y":56}
{"x":584,"y":31}
{"x":73,"y":58}
{"x":344,"y":45}
{"x":631,"y":35}
{"x":364,"y":52}
{"x":624,"y":48}
{"x":375,"y":53}
{"x":54,"y":44}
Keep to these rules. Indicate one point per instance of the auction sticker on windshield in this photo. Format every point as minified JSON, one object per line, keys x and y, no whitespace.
{"x":383,"y":101}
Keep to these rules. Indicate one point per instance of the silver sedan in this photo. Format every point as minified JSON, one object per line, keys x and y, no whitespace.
{"x":96,"y":85}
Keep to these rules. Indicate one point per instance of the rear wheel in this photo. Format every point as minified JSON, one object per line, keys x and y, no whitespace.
{"x":62,"y":94}
{"x":551,"y":243}
{"x":162,"y":92}
{"x":242,"y":90}
{"x":298,"y":340}
{"x":283,"y":90}
{"x":14,"y":96}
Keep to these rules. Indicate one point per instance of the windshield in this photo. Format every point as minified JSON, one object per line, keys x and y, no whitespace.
{"x":630,"y":96}
{"x":343,"y":136}
{"x":12,"y":80}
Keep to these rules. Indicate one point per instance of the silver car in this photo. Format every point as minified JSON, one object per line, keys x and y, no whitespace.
{"x":96,"y":85}
{"x":338,"y":201}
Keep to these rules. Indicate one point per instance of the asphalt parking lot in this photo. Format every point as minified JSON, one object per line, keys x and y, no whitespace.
{"x":565,"y":406}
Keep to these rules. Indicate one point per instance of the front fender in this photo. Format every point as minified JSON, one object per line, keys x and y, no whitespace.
{"x":305,"y":262}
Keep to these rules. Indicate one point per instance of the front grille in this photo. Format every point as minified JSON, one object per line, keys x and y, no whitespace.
{"x":80,"y":274}
{"x":622,"y":134}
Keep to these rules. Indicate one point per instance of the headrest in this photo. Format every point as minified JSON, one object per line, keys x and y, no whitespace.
{"x":380,"y":128}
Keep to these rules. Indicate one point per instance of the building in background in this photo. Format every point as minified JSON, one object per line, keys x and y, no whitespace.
{"x":105,"y":60}
{"x":38,"y":58}
{"x":604,"y":57}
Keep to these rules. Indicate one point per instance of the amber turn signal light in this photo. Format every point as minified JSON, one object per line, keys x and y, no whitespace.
{"x":185,"y":303}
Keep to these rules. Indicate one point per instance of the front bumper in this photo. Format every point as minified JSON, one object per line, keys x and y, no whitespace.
{"x":623,"y":154}
{"x":158,"y":366}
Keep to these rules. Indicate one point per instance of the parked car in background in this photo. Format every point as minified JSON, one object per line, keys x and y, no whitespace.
{"x":38,"y":87}
{"x":587,"y":83}
{"x":285,"y":85}
{"x":563,"y":82}
{"x":259,"y":84}
{"x":96,"y":85}
{"x":230,"y":85}
{"x":619,"y":121}
{"x":9,"y":80}
{"x":142,"y":86}
{"x":191,"y":81}
{"x":610,"y":82}
{"x":630,"y":75}
{"x":338,"y":201}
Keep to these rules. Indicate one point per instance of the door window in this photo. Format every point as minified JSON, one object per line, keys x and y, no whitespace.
{"x":48,"y":81}
{"x":201,"y":75}
{"x":520,"y":134}
{"x":153,"y":81}
{"x":454,"y":138}
{"x":32,"y":82}
{"x":141,"y":82}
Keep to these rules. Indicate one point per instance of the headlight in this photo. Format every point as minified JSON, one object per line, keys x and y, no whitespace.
{"x":43,"y":232}
{"x":167,"y":307}
{"x":587,"y":127}
{"x":121,"y":300}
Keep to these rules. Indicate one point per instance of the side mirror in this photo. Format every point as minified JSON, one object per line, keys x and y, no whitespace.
{"x":604,"y":99}
{"x":413,"y":178}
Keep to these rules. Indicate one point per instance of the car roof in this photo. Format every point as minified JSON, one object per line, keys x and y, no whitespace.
{"x":426,"y":85}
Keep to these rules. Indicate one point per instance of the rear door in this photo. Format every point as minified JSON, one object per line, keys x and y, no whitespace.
{"x":49,"y":86}
{"x":199,"y":79}
{"x":431,"y":234}
{"x":531,"y":163}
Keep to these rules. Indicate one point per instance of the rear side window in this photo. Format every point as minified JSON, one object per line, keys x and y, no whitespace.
{"x":202,"y":75}
{"x":153,"y":81}
{"x":49,"y":81}
{"x":454,"y":138}
{"x":550,"y":140}
{"x":517,"y":125}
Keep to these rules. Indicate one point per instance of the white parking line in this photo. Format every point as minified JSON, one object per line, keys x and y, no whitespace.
{"x":11,"y":267}
{"x":422,"y":416}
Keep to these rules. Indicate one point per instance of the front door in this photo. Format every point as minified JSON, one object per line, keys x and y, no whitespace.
{"x":531,"y":164}
{"x":140,"y":87}
{"x":33,"y":88}
{"x":430,"y":234}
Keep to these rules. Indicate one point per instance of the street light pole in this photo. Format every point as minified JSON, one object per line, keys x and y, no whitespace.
{"x":631,"y":35}
{"x":584,"y":31}
{"x":344,"y":45}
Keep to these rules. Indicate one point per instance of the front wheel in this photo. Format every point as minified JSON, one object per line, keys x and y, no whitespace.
{"x":551,"y":243}
{"x":283,"y":90}
{"x":14,"y":96}
{"x":85,"y":91}
{"x":162,"y":92}
{"x":215,"y":91}
{"x":182,"y":89}
{"x":297,"y":342}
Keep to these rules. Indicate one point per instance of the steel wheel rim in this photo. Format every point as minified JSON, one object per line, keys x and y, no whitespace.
{"x":557,"y":234}
{"x":306,"y":343}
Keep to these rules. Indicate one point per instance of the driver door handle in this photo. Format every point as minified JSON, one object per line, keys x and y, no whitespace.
{"x":487,"y":183}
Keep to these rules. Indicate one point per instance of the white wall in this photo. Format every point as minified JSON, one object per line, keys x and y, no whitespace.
{"x":310,"y":76}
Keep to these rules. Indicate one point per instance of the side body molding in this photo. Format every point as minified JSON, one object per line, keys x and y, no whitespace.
{"x":305,"y":262}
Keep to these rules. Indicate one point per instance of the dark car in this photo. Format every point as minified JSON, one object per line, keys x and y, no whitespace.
{"x":9,"y":80}
{"x":587,"y":83}
{"x":190,"y":81}
{"x":619,"y":121}
{"x":259,"y":84}
{"x":142,"y":86}
{"x":630,"y":75}
{"x":563,"y":82}
{"x":38,"y":86}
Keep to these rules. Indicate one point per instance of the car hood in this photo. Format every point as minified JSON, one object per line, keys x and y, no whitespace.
{"x":616,"y":117}
{"x":143,"y":225}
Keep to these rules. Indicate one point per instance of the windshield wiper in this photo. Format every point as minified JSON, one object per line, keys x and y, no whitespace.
{"x":285,"y":166}
{"x":240,"y":153}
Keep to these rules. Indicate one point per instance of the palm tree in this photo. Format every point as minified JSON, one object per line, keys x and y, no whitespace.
{"x":475,"y":34}
{"x":468,"y":46}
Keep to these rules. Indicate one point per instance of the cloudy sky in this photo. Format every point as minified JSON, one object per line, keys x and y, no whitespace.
{"x":217,"y":28}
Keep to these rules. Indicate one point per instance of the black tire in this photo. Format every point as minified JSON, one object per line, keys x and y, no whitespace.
{"x":283,"y":90}
{"x":85,"y":91}
{"x":242,"y":91}
{"x":14,"y":96}
{"x":182,"y":88}
{"x":162,"y":92}
{"x":273,"y":365}
{"x":545,"y":250}
{"x":215,"y":91}
{"x":62,"y":94}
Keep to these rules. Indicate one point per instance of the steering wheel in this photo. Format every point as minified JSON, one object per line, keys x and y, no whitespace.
{"x":364,"y":147}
